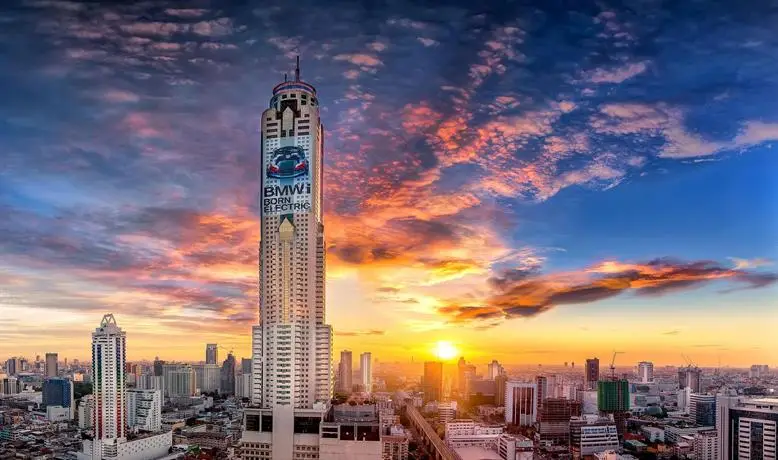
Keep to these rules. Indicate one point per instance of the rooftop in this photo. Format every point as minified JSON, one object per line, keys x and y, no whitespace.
{"x":476,"y":453}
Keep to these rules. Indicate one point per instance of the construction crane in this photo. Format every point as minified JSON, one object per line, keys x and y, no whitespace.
{"x":613,"y":364}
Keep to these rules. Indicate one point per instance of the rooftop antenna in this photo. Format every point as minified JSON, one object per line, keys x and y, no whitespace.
{"x":285,"y":79}
{"x":297,"y":69}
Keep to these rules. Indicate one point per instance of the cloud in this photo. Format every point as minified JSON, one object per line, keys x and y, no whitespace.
{"x":669,"y":123}
{"x":359,"y":333}
{"x":742,"y":264}
{"x":427,"y":41}
{"x":618,"y":74}
{"x":120,"y":96}
{"x":360,"y":59}
{"x":672,"y":332}
{"x":520,"y":293}
{"x":186,"y":12}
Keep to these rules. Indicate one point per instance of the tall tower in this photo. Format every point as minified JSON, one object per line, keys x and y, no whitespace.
{"x":366,"y":371}
{"x":212,"y":353}
{"x":52,"y":367}
{"x":646,"y":371}
{"x":108,"y":363}
{"x":591,"y":374}
{"x":345,"y":372}
{"x":292,"y":345}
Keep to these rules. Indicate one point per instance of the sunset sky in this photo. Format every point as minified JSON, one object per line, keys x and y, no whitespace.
{"x":531,"y":183}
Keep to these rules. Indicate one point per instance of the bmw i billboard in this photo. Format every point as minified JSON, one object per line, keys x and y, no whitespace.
{"x":287,"y":184}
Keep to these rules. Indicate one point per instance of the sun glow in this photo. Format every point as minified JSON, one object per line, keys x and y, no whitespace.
{"x":445,"y":350}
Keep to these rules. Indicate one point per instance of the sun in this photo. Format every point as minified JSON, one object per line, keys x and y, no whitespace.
{"x":445,"y":350}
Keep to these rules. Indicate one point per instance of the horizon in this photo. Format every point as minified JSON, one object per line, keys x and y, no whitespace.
{"x":526,"y":184}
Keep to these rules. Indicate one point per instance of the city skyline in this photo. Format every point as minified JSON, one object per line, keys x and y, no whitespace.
{"x":517,"y":205}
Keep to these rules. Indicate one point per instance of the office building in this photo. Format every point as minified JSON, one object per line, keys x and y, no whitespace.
{"x":227,"y":386}
{"x":521,"y":403}
{"x":706,"y":445}
{"x":646,"y":371}
{"x":591,"y":373}
{"x":689,"y":377}
{"x":542,"y":384}
{"x":494,"y":369}
{"x":292,"y":343}
{"x":144,"y":410}
{"x":747,"y":428}
{"x":447,"y":411}
{"x":394,"y":443}
{"x":109,"y":415}
{"x":514,"y":447}
{"x":702,"y":409}
{"x":432,"y":381}
{"x":468,"y":433}
{"x":10,"y":386}
{"x":592,"y":434}
{"x":179,"y":380}
{"x":245,"y":365}
{"x":212,"y":353}
{"x":345,"y":372}
{"x":613,"y":396}
{"x":554,"y":421}
{"x":52,"y":366}
{"x":13,"y":366}
{"x":207,"y":377}
{"x":350,"y":433}
{"x":59,"y":392}
{"x":500,"y":382}
{"x":366,"y":371}
{"x":86,"y":406}
{"x":758,"y":370}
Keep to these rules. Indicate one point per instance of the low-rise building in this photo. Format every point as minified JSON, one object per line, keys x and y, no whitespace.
{"x":466,"y":433}
{"x":591,"y":434}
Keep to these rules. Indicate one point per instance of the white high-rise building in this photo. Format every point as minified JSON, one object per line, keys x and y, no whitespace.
{"x":521,"y":403}
{"x":494,"y":369}
{"x":144,"y":409}
{"x":86,"y":405}
{"x":292,"y":361}
{"x":109,"y":419}
{"x":366,"y":371}
{"x":646,"y":371}
{"x":109,"y":412}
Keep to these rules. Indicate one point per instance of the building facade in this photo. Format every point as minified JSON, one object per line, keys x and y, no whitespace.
{"x":366,"y":371}
{"x":646,"y":371}
{"x":702,"y":408}
{"x":591,"y":373}
{"x":706,"y":445}
{"x":494,"y":369}
{"x":58,"y":392}
{"x":345,"y":372}
{"x":212,"y":353}
{"x":144,"y":410}
{"x":292,"y":345}
{"x":52,"y":365}
{"x":109,"y":419}
{"x":591,"y":434}
{"x":432,"y":381}
{"x":521,"y":403}
{"x":747,"y":428}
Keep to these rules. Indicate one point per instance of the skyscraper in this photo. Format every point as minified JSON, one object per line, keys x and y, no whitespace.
{"x":689,"y":377}
{"x":58,"y":392}
{"x":432,"y":383}
{"x":108,"y":363}
{"x":212,"y":353}
{"x":747,"y":427}
{"x":109,"y":408}
{"x":366,"y":371}
{"x":591,"y":373}
{"x":227,"y":386}
{"x":345,"y":372}
{"x":702,"y":408}
{"x":293,"y":372}
{"x":494,"y":369}
{"x":542,"y":383}
{"x":646,"y":371}
{"x":521,"y":403}
{"x":52,"y":367}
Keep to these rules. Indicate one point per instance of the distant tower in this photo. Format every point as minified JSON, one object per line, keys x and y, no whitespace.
{"x":366,"y":371}
{"x":109,"y":418}
{"x":345,"y":372}
{"x":432,"y":384}
{"x":646,"y":371}
{"x":212,"y":353}
{"x":52,"y":366}
{"x":591,"y":373}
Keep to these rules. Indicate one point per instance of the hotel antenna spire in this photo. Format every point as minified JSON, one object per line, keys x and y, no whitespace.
{"x":297,"y":70}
